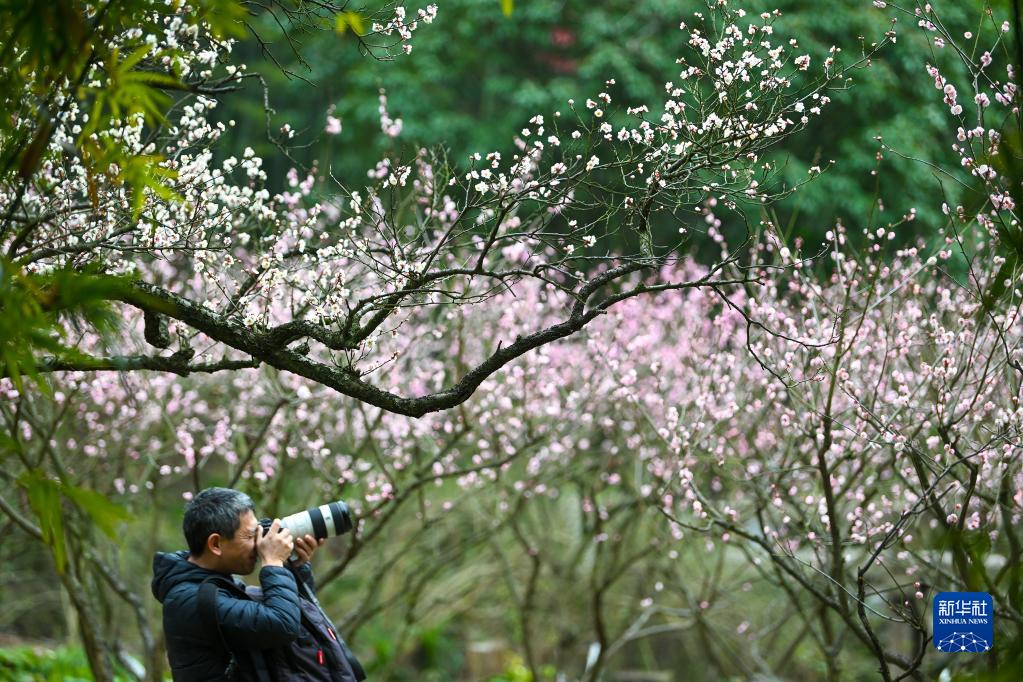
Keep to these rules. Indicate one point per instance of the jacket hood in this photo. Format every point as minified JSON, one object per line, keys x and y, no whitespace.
{"x":172,"y":568}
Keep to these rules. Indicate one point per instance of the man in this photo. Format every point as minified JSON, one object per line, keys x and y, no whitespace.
{"x":224,"y":538}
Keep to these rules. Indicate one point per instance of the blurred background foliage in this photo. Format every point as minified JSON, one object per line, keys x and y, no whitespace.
{"x":478,"y":75}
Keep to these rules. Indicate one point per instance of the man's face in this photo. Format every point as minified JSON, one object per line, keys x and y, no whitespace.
{"x":238,"y":555}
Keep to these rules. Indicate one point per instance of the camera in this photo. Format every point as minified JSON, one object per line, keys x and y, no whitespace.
{"x":321,"y":522}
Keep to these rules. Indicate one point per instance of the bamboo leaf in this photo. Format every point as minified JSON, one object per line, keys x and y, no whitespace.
{"x":134,"y":58}
{"x":44,"y":499}
{"x":350,"y":19}
{"x":105,"y":514}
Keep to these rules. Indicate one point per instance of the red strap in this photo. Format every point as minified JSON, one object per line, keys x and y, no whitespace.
{"x":319,"y":656}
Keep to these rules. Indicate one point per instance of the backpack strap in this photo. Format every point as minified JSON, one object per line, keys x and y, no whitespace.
{"x":208,"y":614}
{"x":306,"y":592}
{"x":357,"y":669}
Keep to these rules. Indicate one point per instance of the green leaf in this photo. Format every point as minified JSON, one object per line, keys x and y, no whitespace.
{"x":135,"y":57}
{"x":8,"y":444}
{"x":36,"y":308}
{"x":13,"y":367}
{"x":104,"y":513}
{"x":226,"y":18}
{"x":507,"y":6}
{"x":44,"y":499}
{"x":142,"y":173}
{"x":350,"y":19}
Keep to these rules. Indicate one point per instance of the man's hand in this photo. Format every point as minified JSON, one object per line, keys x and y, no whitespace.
{"x":305,"y":546}
{"x":275,"y":546}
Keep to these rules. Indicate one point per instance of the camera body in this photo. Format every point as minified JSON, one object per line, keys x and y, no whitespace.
{"x":321,"y":522}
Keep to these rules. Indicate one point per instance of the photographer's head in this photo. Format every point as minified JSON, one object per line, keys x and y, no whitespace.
{"x":221,"y":530}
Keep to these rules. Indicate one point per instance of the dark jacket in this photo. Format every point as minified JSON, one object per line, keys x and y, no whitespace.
{"x":197,"y":656}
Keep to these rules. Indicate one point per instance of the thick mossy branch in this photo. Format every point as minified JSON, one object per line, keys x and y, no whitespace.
{"x":269,"y":347}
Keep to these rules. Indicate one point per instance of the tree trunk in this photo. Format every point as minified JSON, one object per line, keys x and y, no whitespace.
{"x":92,"y":639}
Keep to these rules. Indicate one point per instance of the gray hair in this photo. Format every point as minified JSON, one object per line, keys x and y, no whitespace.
{"x":214,"y":510}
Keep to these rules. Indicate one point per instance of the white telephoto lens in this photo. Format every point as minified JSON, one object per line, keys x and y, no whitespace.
{"x":299,"y":524}
{"x":332,"y":524}
{"x":320,"y":522}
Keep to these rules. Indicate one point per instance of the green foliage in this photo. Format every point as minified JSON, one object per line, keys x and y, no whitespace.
{"x":350,"y":19}
{"x":58,"y":54}
{"x":1009,"y":669}
{"x":434,"y":646}
{"x":128,"y":91}
{"x":142,"y":173}
{"x":33,"y":308}
{"x":1008,"y":162}
{"x":45,"y":496}
{"x":103,"y":513}
{"x":224,"y":17}
{"x":24,"y":328}
{"x":473,"y":95}
{"x":35,"y":664}
{"x":437,"y":653}
{"x":517,"y":672}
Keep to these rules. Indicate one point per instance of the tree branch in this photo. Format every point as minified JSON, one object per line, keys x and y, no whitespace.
{"x":177,"y":363}
{"x":266,"y":347}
